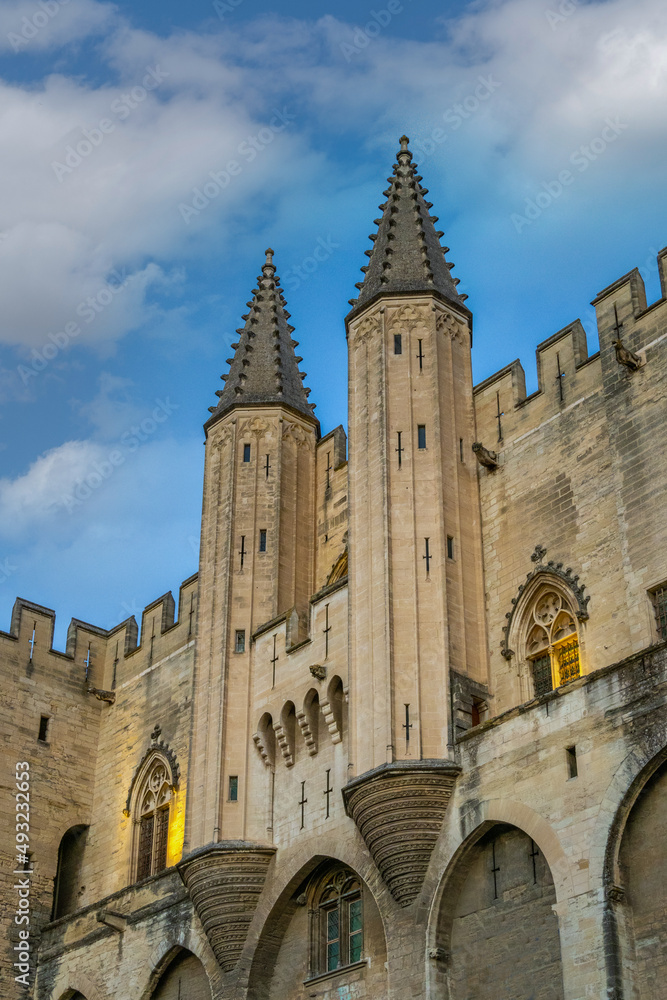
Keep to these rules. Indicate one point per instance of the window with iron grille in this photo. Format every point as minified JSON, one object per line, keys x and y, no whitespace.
{"x":659,"y":598}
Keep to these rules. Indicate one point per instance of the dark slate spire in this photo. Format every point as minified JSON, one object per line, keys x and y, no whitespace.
{"x":264,"y":368}
{"x":406,"y":255}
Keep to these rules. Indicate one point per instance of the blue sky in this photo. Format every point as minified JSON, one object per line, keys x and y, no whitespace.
{"x":152,"y":152}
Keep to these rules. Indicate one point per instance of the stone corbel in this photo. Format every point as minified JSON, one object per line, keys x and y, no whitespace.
{"x":286,"y":750}
{"x":111,"y":918}
{"x":263,"y":752}
{"x":108,"y":696}
{"x":488,"y":459}
{"x":330,"y":719}
{"x":304,"y":726}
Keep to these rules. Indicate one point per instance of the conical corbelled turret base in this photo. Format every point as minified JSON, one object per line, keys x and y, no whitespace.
{"x":399,"y":809}
{"x":225,"y":882}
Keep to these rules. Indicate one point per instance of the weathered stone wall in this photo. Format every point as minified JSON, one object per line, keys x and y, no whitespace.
{"x":156,"y":920}
{"x":504,"y":939}
{"x":81,"y":774}
{"x":50,"y":684}
{"x":580,"y":472}
{"x":158,"y":692}
{"x":643,"y":863}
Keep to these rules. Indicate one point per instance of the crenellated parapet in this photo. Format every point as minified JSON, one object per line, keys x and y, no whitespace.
{"x":567,"y":376}
{"x":99,"y":659}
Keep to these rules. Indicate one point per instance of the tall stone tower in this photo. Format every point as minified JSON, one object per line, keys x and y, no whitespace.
{"x":415,"y":580}
{"x":257,"y":559}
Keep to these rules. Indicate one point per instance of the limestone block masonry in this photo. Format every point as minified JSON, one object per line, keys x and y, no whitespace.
{"x":404,"y":733}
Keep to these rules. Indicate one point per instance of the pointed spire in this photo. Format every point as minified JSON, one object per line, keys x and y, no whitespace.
{"x":264,"y":368}
{"x":406,"y":255}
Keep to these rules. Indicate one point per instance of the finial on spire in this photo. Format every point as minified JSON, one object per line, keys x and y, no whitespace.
{"x":404,"y":143}
{"x":269,"y":265}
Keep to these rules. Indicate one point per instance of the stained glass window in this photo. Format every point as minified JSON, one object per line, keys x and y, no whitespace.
{"x":659,"y":597}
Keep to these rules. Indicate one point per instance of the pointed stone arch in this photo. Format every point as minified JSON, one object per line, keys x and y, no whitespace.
{"x":178,"y":959}
{"x":498,"y":888}
{"x":284,"y":941}
{"x":544,"y":634}
{"x":635,"y":916}
{"x":338,"y":571}
{"x":79,"y":986}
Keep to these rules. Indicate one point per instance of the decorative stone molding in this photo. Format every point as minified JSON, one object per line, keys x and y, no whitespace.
{"x":399,"y":809}
{"x":253,"y":425}
{"x":368,"y":326}
{"x":554,"y":569}
{"x":286,"y":750}
{"x":293,"y":432}
{"x":225,"y":436}
{"x":408,"y":317}
{"x":318,"y":671}
{"x":330,"y":719}
{"x":156,"y":749}
{"x":309,"y":738}
{"x":225,"y":882}
{"x":449,"y":326}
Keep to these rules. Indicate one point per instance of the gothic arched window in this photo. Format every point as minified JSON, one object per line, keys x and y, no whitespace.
{"x":552,"y":641}
{"x":153,"y":803}
{"x":339,"y":932}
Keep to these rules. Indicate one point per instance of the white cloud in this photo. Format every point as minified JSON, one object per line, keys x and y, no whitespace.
{"x":37,"y":495}
{"x":200,"y":101}
{"x":30,"y":25}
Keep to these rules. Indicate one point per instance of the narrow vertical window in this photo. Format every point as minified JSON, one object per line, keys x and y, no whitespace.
{"x":450,"y":547}
{"x":421,"y":435}
{"x":461,"y":449}
{"x":43,"y":728}
{"x":152,"y":806}
{"x":398,"y":343}
{"x":233,"y":788}
{"x":239,"y":646}
{"x":262,"y":539}
{"x":659,"y":598}
{"x":246,"y":452}
{"x":571,"y":754}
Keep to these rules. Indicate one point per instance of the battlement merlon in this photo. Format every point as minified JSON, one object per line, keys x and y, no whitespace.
{"x":97,"y":649}
{"x":566,"y":373}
